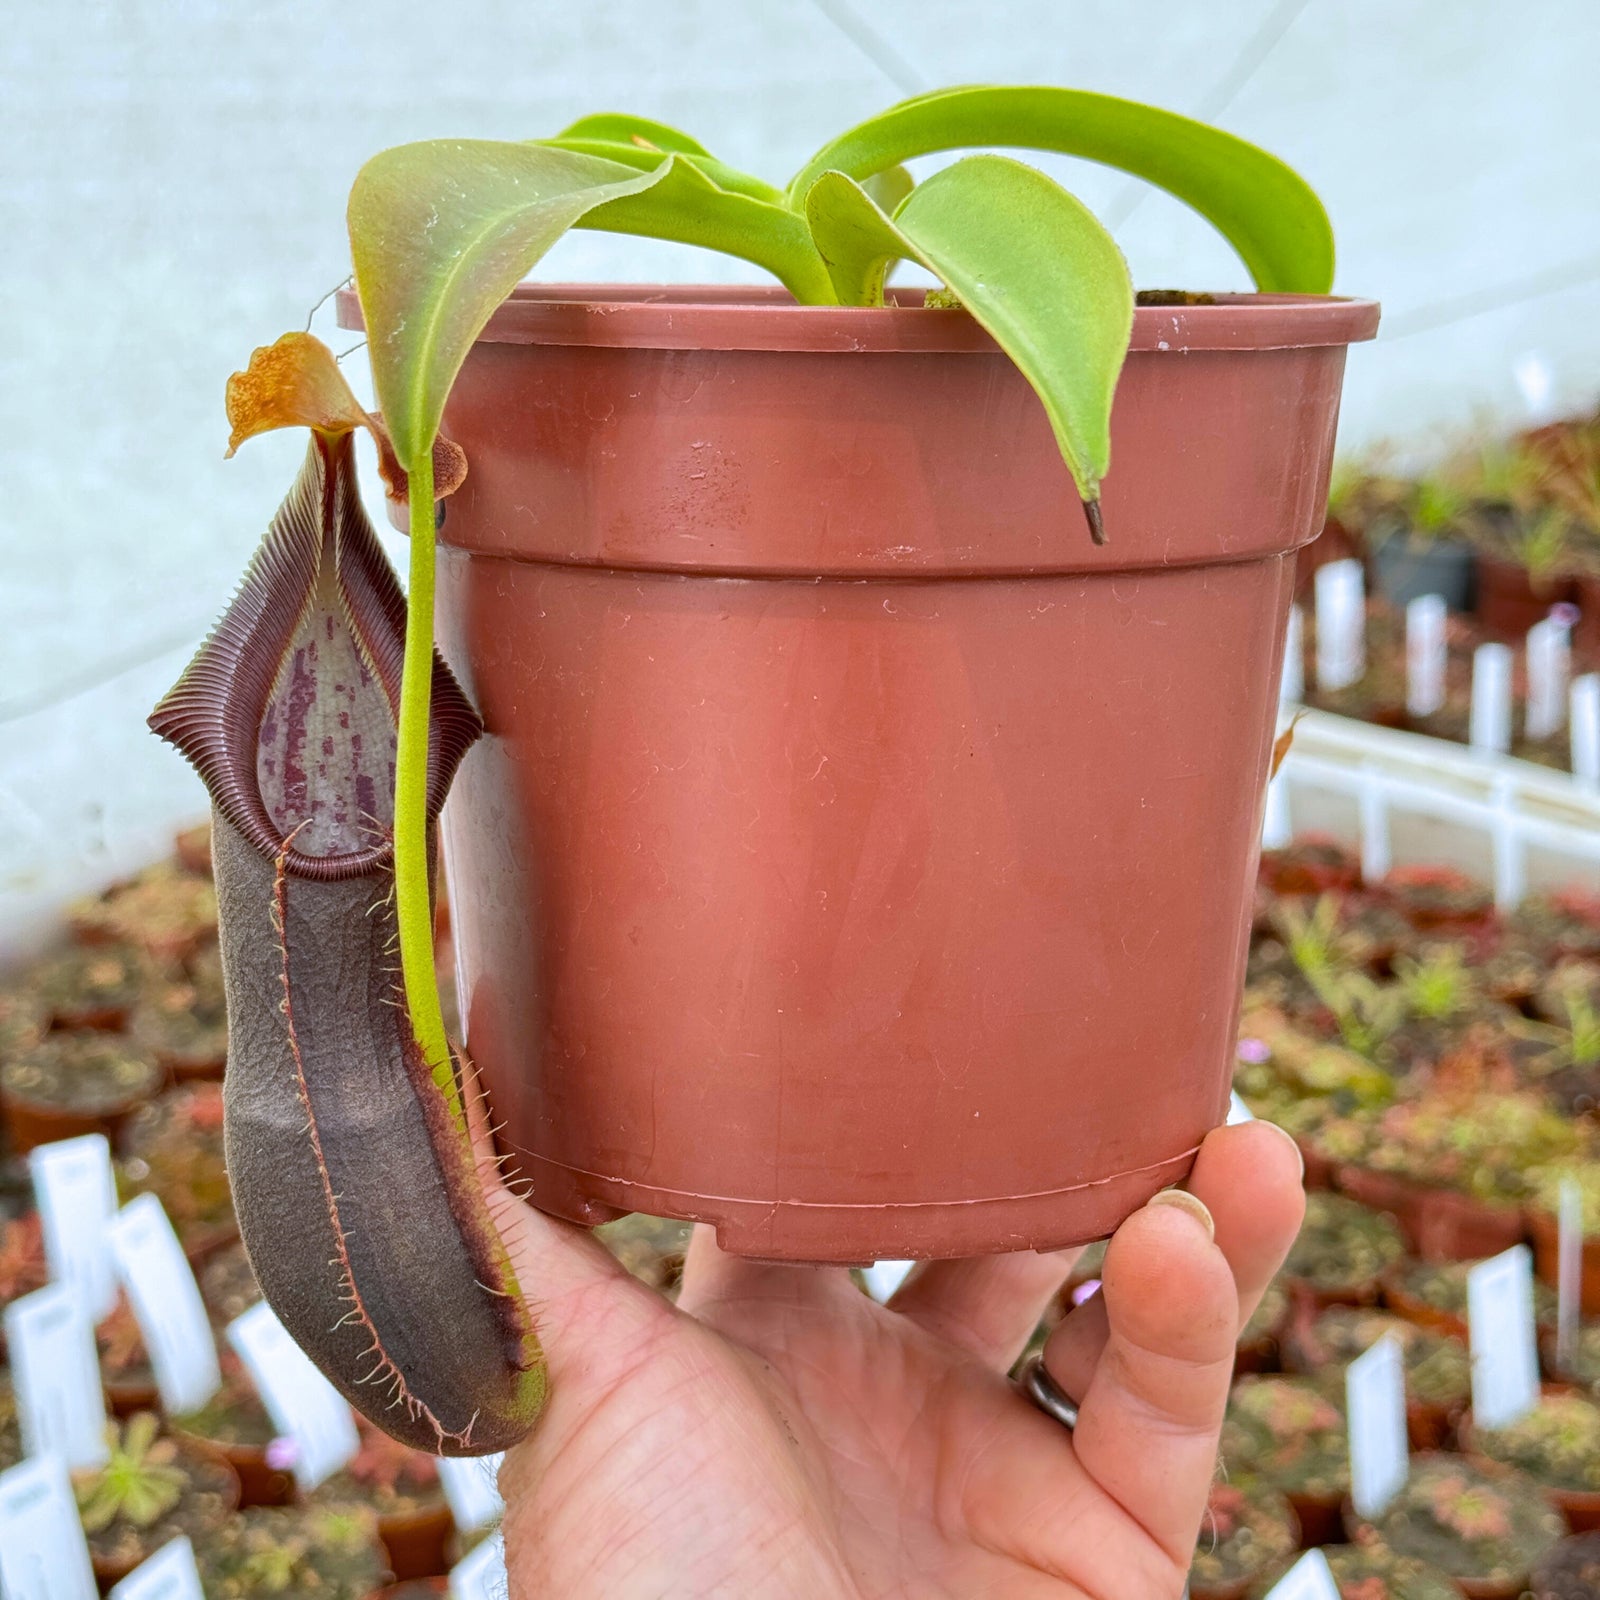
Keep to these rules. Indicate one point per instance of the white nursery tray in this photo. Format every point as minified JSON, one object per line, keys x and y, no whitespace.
{"x":1405,"y":798}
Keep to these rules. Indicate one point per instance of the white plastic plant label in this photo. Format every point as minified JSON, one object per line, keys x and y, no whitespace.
{"x":1569,"y":1271}
{"x":166,"y":1300}
{"x":1549,"y":669}
{"x":1341,"y":624}
{"x":1584,"y":715}
{"x":169,"y":1574}
{"x":472,"y":1488}
{"x":303,"y":1405}
{"x":884,"y":1277}
{"x":77,"y":1196}
{"x":43,"y":1554}
{"x":1310,"y":1578}
{"x":482,"y":1574}
{"x":1375,"y":1403}
{"x":1490,"y":725}
{"x":55,"y":1371}
{"x":1505,"y":1358}
{"x":1238,"y":1111}
{"x":1426,"y":654}
{"x":1292,"y":685}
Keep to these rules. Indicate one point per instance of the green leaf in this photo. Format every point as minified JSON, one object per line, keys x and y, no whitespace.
{"x":1265,"y":210}
{"x":889,"y":188}
{"x":440,"y":233}
{"x":1029,"y":261}
{"x":617,"y":127}
{"x":689,"y":206}
{"x":729,"y":179}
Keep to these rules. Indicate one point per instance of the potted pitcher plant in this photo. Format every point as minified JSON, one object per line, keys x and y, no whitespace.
{"x":859,"y":781}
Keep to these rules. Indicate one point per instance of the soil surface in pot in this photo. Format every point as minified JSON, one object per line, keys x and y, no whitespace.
{"x":299,"y":1551}
{"x":161,"y":1488}
{"x":86,"y":1071}
{"x":172,"y":1148}
{"x":1438,"y":1368}
{"x":1246,"y":1532}
{"x":1557,"y":1443}
{"x":1489,"y":1528}
{"x":1371,"y":1571}
{"x":228,"y":1283}
{"x":1289,"y":1432}
{"x":1343,"y":1248}
{"x":1570,"y":1572}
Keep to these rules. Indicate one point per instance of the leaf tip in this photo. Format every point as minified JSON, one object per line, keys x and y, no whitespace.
{"x":1095,"y":518}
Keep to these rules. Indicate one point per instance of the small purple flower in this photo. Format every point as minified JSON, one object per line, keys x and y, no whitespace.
{"x":1565,"y":613}
{"x":1254,"y":1051}
{"x":1086,"y":1290}
{"x":282,"y":1453}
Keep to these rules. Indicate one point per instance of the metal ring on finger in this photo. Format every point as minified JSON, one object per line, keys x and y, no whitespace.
{"x":1047,"y":1394}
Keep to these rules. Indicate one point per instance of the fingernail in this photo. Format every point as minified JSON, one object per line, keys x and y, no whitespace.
{"x":1184,"y":1201}
{"x":1294,"y":1144}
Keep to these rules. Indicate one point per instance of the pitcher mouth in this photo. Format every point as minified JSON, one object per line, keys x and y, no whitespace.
{"x":760,"y":317}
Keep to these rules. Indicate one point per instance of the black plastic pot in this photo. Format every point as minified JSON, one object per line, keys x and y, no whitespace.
{"x":1406,"y":567}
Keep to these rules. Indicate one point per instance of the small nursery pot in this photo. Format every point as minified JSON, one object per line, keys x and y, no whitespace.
{"x":1545,"y":1234}
{"x":416,"y":1541}
{"x":1415,"y":1309}
{"x":1402,"y":1198}
{"x":1581,"y":1507}
{"x":1334,"y":543}
{"x":1406,"y":567}
{"x":1509,"y":602}
{"x":1451,"y":1226}
{"x":850,"y":829}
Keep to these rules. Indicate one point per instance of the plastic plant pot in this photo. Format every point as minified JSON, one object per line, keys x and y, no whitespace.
{"x":1510,"y":602}
{"x":1545,"y":1233}
{"x":850,"y":830}
{"x":1579,"y":1505}
{"x":1452,"y":1226}
{"x":1407,"y":567}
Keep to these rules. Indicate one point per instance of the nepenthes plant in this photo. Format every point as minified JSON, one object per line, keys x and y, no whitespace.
{"x":328,"y":729}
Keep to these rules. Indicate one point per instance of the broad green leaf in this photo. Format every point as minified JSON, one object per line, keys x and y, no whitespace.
{"x":440,"y":233}
{"x":1265,"y":210}
{"x":1030,"y":262}
{"x":647,"y":159}
{"x":889,"y":187}
{"x":688,"y":205}
{"x":617,"y":127}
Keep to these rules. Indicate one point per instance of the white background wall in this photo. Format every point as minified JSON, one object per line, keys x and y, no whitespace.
{"x":172,"y":180}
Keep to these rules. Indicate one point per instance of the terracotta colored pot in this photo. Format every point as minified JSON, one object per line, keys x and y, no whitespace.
{"x":193,"y":848}
{"x":1332,"y":542}
{"x":1321,"y":1519}
{"x":1581,"y":1507}
{"x":1457,"y":1227}
{"x":859,"y":858}
{"x":125,"y":1397}
{"x":1401,"y":1197}
{"x":1430,"y":1427}
{"x":259,"y":1483}
{"x":416,"y":1542}
{"x":30,"y":1123}
{"x":1509,"y":603}
{"x":1419,"y":1311}
{"x":1545,"y":1234}
{"x":1318,"y":1168}
{"x":1357,"y":1531}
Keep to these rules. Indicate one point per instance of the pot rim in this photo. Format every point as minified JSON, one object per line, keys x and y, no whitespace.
{"x":758,"y":317}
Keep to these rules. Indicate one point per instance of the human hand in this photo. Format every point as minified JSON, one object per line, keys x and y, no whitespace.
{"x":780,"y":1436}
